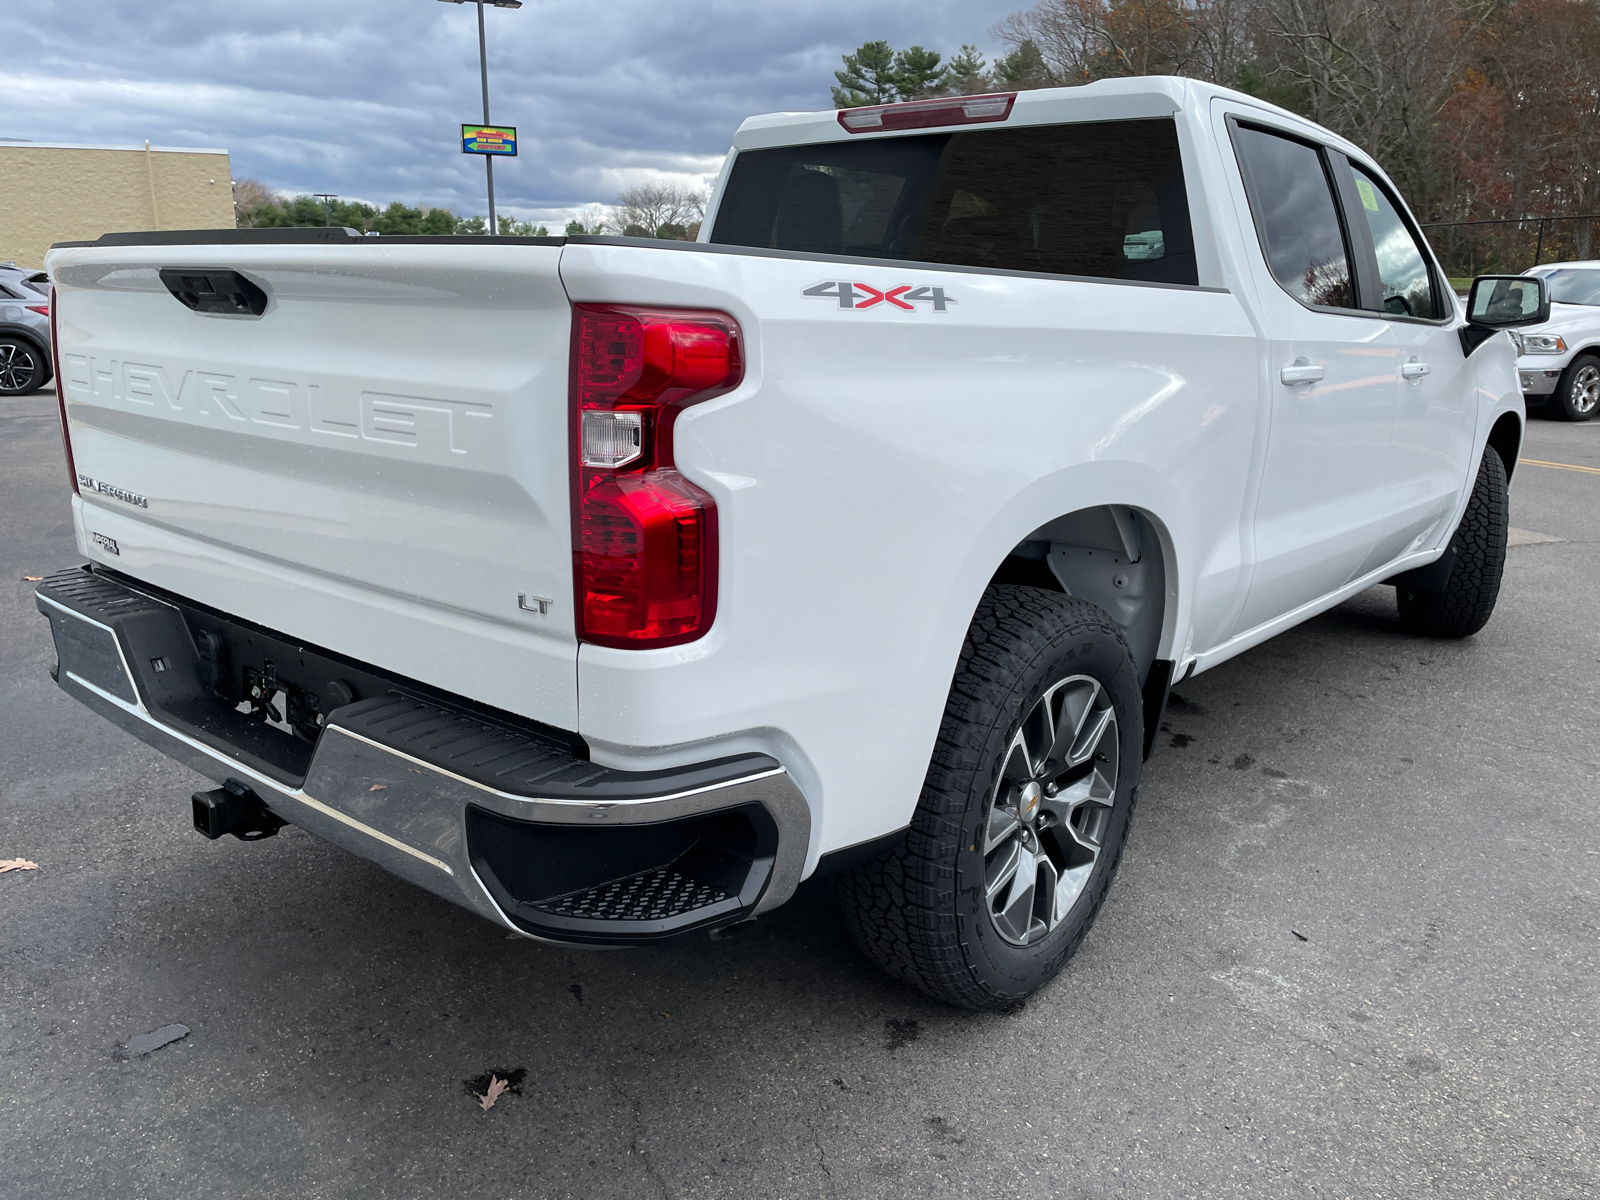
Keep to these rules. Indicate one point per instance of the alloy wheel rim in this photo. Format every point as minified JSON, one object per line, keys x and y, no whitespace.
{"x":16,"y":368}
{"x":1586,"y":390}
{"x":1045,"y":826}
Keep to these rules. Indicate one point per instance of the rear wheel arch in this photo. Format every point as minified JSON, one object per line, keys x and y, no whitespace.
{"x":1119,"y":558}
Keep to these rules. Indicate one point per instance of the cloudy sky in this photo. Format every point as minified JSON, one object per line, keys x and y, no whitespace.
{"x":363,"y":97}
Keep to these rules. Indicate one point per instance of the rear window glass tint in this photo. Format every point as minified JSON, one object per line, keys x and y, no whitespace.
{"x":1103,"y":199}
{"x":1295,"y":214}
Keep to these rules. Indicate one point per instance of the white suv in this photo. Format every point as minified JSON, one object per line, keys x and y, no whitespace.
{"x":1559,"y":361}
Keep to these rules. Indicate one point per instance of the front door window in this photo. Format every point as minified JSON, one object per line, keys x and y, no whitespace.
{"x":1408,"y":289}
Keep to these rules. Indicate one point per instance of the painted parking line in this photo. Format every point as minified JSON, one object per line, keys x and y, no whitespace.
{"x":1539,"y":462}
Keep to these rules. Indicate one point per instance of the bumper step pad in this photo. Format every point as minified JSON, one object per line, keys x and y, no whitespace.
{"x":653,"y":896}
{"x":561,"y":847}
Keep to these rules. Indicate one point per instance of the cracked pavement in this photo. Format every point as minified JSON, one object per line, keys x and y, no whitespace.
{"x":1422,"y":814}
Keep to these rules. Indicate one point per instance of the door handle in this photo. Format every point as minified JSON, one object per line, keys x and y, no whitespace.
{"x":1414,"y":369}
{"x":1302,"y":371}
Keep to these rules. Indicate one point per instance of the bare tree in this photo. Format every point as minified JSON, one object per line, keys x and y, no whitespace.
{"x":1378,"y":71}
{"x":1221,"y":39}
{"x":1065,"y":34}
{"x":249,"y":196}
{"x":1476,"y":108}
{"x":590,"y":220}
{"x":1083,"y":40}
{"x":664,"y":209}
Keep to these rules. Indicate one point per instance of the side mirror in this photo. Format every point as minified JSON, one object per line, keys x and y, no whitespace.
{"x":1499,"y":302}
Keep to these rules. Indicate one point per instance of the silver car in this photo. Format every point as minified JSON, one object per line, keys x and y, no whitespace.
{"x":25,"y":364}
{"x":1559,"y":361}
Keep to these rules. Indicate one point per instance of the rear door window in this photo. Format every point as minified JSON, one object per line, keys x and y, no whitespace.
{"x":1104,"y":199}
{"x":1292,"y":200}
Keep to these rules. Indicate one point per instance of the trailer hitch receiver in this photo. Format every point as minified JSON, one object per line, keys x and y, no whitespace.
{"x":234,"y":808}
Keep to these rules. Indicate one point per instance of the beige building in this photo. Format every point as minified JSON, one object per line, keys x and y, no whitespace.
{"x":51,"y":193}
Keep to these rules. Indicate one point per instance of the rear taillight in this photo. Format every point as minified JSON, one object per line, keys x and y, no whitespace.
{"x":644,"y":538}
{"x":926,"y":114}
{"x":61,"y":393}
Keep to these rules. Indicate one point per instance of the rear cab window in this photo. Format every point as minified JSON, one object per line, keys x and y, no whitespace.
{"x":1102,"y":199}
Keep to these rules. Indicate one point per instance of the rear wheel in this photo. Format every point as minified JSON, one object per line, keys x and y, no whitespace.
{"x":1024,"y":810}
{"x":1464,"y":605}
{"x":1577,"y":394}
{"x":22,"y":368}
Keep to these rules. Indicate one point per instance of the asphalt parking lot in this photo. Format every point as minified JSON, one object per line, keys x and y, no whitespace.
{"x":1354,"y":950}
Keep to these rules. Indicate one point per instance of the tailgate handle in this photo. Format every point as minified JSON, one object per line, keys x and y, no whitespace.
{"x":208,"y":290}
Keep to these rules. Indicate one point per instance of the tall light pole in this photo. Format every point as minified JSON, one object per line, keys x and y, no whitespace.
{"x":483,"y":68}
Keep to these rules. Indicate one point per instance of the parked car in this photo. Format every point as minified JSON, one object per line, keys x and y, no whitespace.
{"x":611,"y":587}
{"x":1559,"y":361}
{"x":25,"y":364}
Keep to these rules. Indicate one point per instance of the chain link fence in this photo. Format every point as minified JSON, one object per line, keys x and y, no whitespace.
{"x":1511,"y":245}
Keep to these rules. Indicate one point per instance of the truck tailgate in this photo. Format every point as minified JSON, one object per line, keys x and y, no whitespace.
{"x":389,"y":435}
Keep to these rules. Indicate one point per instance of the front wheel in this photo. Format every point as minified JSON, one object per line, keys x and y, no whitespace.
{"x":1464,"y":605}
{"x":1577,"y":394}
{"x":1024,"y":810}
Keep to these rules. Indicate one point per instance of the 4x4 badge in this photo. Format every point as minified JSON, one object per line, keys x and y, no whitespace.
{"x":861,"y":295}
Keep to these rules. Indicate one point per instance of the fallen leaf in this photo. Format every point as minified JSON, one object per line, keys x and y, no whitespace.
{"x":510,"y":1083}
{"x":497,"y":1087}
{"x":378,"y":787}
{"x":32,"y":578}
{"x":17,"y":864}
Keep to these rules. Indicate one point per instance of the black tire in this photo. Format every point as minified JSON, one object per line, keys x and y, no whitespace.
{"x":1577,"y":394}
{"x":1465,"y":604}
{"x":920,"y":912}
{"x":22,"y":367}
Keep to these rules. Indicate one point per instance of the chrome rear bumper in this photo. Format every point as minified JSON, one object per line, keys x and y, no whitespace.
{"x":398,"y":778}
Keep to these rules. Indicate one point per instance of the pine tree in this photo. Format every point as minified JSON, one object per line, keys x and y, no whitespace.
{"x":917,"y":72}
{"x":870,"y":76}
{"x":1023,"y":68}
{"x":967,"y":73}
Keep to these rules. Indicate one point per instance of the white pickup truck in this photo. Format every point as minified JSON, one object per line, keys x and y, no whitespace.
{"x":1559,"y":362}
{"x":612,"y":587}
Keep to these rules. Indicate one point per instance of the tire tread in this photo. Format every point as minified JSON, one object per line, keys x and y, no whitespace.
{"x":1468,"y":598}
{"x":900,"y":907}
